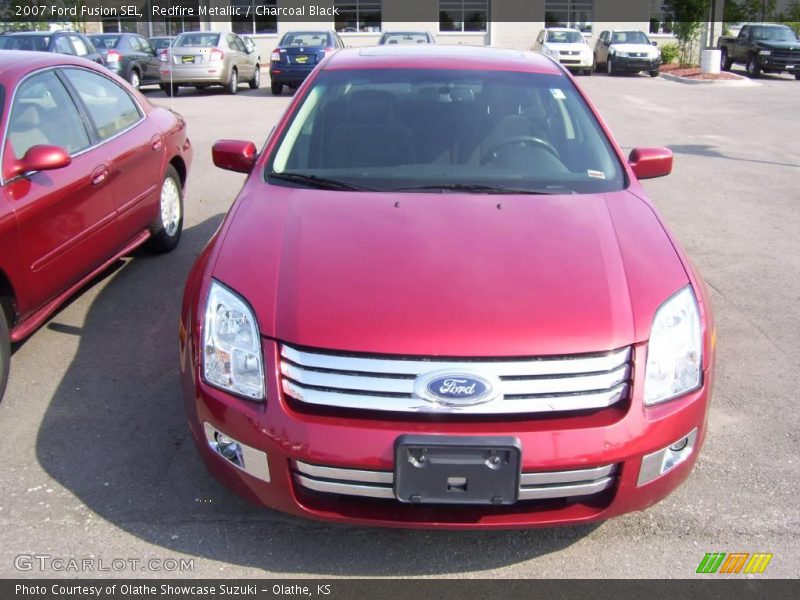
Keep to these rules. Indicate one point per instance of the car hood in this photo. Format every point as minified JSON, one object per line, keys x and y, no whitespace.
{"x":635,"y":48}
{"x":775,"y":45}
{"x":571,"y":46}
{"x":448,"y":274}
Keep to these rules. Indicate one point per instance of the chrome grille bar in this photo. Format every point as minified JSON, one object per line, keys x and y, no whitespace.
{"x":378,"y":484}
{"x":534,"y":385}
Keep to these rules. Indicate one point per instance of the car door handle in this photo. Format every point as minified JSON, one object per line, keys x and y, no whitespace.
{"x":156,"y":142}
{"x":99,"y":175}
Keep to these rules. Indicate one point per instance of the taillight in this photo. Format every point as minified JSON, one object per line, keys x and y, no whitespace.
{"x":162,"y":56}
{"x":113,"y":56}
{"x":275,"y":56}
{"x":216,"y":55}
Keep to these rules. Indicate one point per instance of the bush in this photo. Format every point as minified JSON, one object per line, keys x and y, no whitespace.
{"x":669,"y":53}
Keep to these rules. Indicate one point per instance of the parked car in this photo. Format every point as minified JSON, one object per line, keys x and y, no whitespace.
{"x":567,"y":46}
{"x":161,"y":42}
{"x":90,"y":171}
{"x":130,"y":56}
{"x":443,"y":299}
{"x":296,"y":56}
{"x":61,"y":42}
{"x":626,"y":51}
{"x":205,"y":58}
{"x":762,"y":47}
{"x":406,"y":37}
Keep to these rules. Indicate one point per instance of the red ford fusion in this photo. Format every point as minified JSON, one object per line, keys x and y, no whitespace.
{"x":443,"y":299}
{"x":90,"y":171}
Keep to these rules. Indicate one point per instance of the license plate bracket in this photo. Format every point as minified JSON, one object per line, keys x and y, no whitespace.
{"x":433,"y":469}
{"x":187,"y":59}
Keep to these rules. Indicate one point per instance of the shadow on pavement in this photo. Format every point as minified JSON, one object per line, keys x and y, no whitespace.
{"x":115,"y":435}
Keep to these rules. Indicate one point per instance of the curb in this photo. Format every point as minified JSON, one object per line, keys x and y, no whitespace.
{"x":742,"y":81}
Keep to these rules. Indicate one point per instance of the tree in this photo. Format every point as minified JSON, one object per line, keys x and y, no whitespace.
{"x":689,"y":16}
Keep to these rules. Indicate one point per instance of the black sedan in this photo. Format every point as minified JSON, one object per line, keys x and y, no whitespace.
{"x":130,"y":56}
{"x":297,"y":55}
{"x":61,"y":42}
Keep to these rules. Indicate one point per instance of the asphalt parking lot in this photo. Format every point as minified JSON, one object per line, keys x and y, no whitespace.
{"x":98,"y":462}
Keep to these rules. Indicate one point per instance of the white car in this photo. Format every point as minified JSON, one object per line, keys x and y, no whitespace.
{"x":567,"y":46}
{"x":627,"y":51}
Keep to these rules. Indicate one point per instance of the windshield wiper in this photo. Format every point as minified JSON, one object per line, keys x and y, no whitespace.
{"x":475,"y":188}
{"x":315,"y":181}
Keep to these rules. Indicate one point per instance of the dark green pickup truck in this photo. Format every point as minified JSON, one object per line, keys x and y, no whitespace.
{"x":762,"y":48}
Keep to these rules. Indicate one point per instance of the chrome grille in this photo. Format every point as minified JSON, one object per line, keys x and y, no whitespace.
{"x":379,"y":484}
{"x":533,"y":385}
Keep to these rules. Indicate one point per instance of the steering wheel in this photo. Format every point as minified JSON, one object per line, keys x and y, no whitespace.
{"x":518,"y":139}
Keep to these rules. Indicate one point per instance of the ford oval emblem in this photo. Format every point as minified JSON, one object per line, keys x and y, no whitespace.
{"x":456,"y":388}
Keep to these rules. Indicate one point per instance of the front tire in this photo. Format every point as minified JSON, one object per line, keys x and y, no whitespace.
{"x":255,"y":82}
{"x":753,"y":68}
{"x":167,"y":228}
{"x":233,"y":82}
{"x":797,"y":76}
{"x":610,"y":67}
{"x":654,"y":73}
{"x":588,"y":72}
{"x":724,"y":62}
{"x":5,"y":350}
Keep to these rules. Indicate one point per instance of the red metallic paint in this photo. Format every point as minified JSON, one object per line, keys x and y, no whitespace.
{"x":40,"y":158}
{"x":354,"y":272}
{"x":648,"y":163}
{"x":60,"y":227}
{"x":234,"y":155}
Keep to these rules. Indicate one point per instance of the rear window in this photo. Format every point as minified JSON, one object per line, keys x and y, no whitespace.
{"x":308,"y":39}
{"x":423,"y":129}
{"x":25,"y":42}
{"x":405,"y":38}
{"x":105,"y":42}
{"x":201,"y":40}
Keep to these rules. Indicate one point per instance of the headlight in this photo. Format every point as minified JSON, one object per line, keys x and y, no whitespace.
{"x":231,"y":345}
{"x":674,"y":352}
{"x":765,"y":52}
{"x":621,"y":54}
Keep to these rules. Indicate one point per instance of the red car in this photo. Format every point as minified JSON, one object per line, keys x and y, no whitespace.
{"x":90,"y":171}
{"x":443,"y":299}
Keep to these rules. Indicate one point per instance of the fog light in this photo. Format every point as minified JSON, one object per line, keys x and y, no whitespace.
{"x":237,"y":454}
{"x":662,"y":461}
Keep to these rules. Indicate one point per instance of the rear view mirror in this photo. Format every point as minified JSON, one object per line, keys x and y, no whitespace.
{"x":41,"y":158}
{"x":234,"y":155}
{"x":648,"y":163}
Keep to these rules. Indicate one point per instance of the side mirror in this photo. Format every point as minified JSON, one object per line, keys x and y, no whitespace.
{"x":41,"y":158}
{"x":234,"y":155}
{"x":654,"y":43}
{"x":648,"y":163}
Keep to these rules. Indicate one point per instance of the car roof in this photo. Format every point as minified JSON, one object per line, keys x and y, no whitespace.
{"x":19,"y":62}
{"x":36,"y":33}
{"x":626,"y":30}
{"x":441,"y":57}
{"x":561,"y":29}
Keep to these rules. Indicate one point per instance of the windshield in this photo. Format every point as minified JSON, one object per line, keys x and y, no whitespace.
{"x":104,"y":42}
{"x":202,"y":40}
{"x":405,"y":38}
{"x":629,"y":37}
{"x":24,"y":42}
{"x":774,"y":34}
{"x":393,"y":129}
{"x":308,"y":39}
{"x":564,"y":37}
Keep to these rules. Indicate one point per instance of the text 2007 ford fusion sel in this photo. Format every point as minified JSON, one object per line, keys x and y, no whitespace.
{"x":443,"y":299}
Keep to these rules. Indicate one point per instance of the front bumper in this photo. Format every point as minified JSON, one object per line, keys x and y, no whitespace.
{"x":773,"y":63}
{"x":291,"y":438}
{"x":576,"y":62}
{"x":634,"y":65}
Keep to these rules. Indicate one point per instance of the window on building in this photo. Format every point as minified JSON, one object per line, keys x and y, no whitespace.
{"x":660,"y":16}
{"x":569,"y":13}
{"x":358,"y":16}
{"x":116,"y":25}
{"x":249,"y":22}
{"x":463,"y":15}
